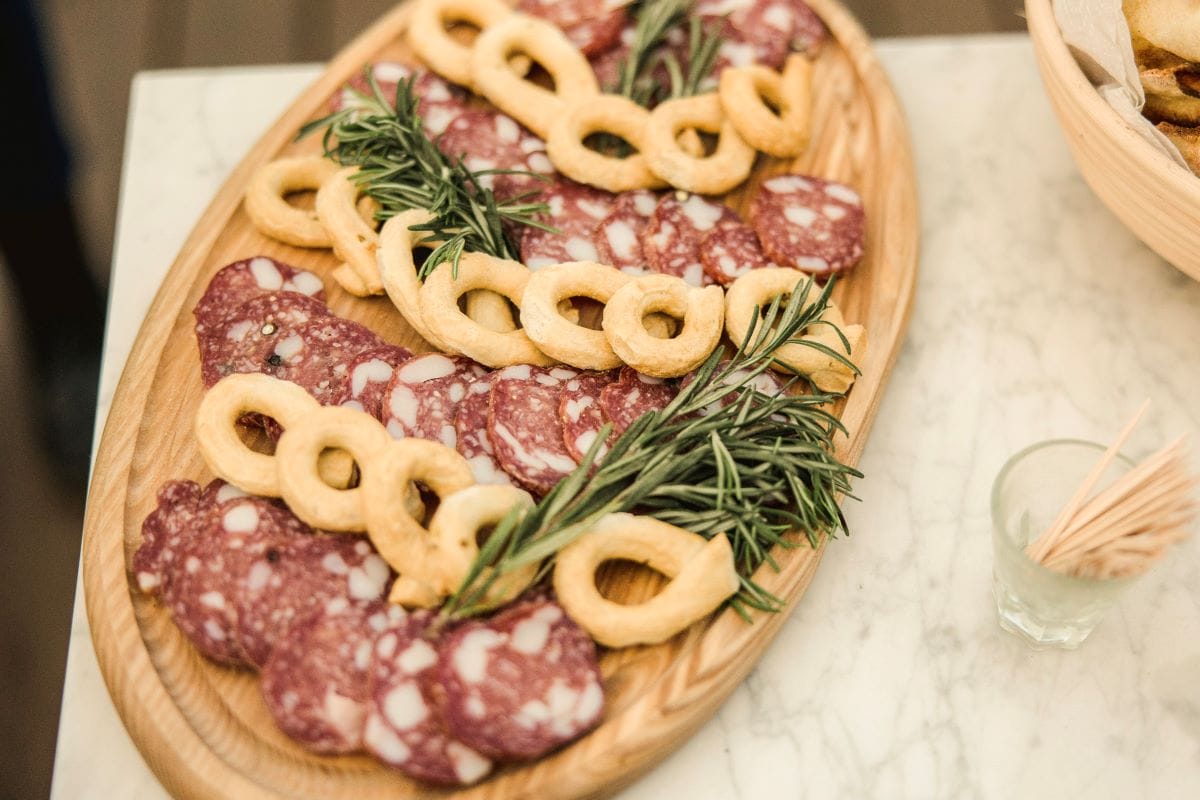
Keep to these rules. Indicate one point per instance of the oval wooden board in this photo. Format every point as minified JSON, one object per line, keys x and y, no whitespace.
{"x":204,"y":730}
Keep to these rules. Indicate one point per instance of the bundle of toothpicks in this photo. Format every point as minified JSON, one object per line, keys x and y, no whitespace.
{"x":1124,"y":528}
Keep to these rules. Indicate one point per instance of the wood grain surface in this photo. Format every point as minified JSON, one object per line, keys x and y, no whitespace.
{"x":204,"y":729}
{"x":1157,"y":199}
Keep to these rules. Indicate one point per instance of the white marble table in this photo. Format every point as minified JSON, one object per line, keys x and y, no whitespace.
{"x":1037,"y":315}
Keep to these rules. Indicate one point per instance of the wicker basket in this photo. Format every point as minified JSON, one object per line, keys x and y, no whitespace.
{"x":1156,"y":198}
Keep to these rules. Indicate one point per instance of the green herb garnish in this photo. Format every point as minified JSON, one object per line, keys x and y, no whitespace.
{"x":654,"y":21}
{"x":755,"y":469}
{"x":401,"y":169}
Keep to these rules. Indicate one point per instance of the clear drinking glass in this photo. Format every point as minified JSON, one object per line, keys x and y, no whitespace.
{"x":1046,"y":608}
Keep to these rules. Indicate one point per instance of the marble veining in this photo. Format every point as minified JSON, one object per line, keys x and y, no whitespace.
{"x":1037,"y":315}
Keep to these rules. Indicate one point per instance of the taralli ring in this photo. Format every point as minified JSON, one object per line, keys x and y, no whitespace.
{"x":439,"y":308}
{"x":353,"y":240}
{"x":702,"y":577}
{"x":535,"y":107}
{"x":300,"y":484}
{"x":554,"y":334}
{"x":745,"y":93}
{"x":397,"y":535}
{"x":718,"y":173}
{"x":267,"y":206}
{"x":454,"y":528}
{"x":398,"y":271}
{"x":758,"y":288}
{"x":605,"y":113}
{"x":702,"y":316}
{"x":431,"y":41}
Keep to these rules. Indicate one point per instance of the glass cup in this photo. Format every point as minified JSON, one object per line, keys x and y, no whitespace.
{"x":1046,"y":608}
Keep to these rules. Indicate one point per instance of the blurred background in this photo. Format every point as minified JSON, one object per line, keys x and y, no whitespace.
{"x":66,"y":67}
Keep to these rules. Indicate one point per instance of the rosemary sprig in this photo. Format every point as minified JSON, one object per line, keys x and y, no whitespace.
{"x":755,"y":469}
{"x":401,"y":168}
{"x":655,"y":20}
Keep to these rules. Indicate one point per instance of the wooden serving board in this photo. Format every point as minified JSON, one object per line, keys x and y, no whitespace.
{"x":204,"y":729}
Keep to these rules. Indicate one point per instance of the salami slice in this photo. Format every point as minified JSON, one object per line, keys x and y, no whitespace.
{"x":486,"y":139}
{"x":315,"y":682}
{"x":671,"y":239}
{"x":591,"y":26}
{"x":298,"y":574}
{"x":580,"y":414}
{"x":246,"y":340}
{"x":318,"y":355}
{"x":470,"y":425}
{"x":439,"y":103}
{"x":520,"y":684}
{"x":617,"y":235}
{"x":167,"y":528}
{"x":729,"y":251}
{"x":423,"y":396}
{"x":756,"y":31}
{"x":524,"y":426}
{"x":809,"y":223}
{"x":404,"y":728}
{"x":242,"y":280}
{"x":575,"y":210}
{"x":370,"y":372}
{"x":810,"y":32}
{"x":632,"y":395}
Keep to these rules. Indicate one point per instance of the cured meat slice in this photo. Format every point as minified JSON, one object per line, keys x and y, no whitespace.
{"x":439,"y":103}
{"x":524,"y":426}
{"x":632,"y":395}
{"x":729,"y":251}
{"x":809,"y":223}
{"x":247,"y":339}
{"x":167,"y":528}
{"x":591,"y":26}
{"x":486,"y":139}
{"x":423,"y":396}
{"x":242,"y":280}
{"x":671,"y":239}
{"x":617,"y":236}
{"x":317,"y":356}
{"x":761,"y":31}
{"x":404,"y":728}
{"x":580,"y":414}
{"x":370,"y":372}
{"x":520,"y":684}
{"x":315,"y":682}
{"x":470,"y":425}
{"x":575,"y":210}
{"x":298,"y":574}
{"x":810,"y":32}
{"x":204,"y":582}
{"x":767,"y":383}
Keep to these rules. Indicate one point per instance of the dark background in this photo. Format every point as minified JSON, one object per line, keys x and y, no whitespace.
{"x":93,"y":48}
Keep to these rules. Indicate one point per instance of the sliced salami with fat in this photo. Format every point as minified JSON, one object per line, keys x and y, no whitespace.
{"x":487,"y":139}
{"x":370,"y":373}
{"x":470,"y":425}
{"x":242,"y":280}
{"x":617,"y":235}
{"x":423,"y":396}
{"x":633,"y":395}
{"x":404,"y":727}
{"x":164,"y":531}
{"x":812,"y":224}
{"x":580,"y":414}
{"x":296,"y":576}
{"x":671,"y":239}
{"x":246,"y":341}
{"x":591,"y":25}
{"x":317,"y":356}
{"x":315,"y":682}
{"x":729,"y":251}
{"x":438,"y":102}
{"x":524,"y":426}
{"x":574,"y":210}
{"x":520,"y":684}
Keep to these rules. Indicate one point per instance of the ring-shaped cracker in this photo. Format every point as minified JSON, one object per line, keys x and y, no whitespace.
{"x":534,"y":106}
{"x":702,"y":577}
{"x":217,"y":434}
{"x":353,"y":240}
{"x":297,"y":454}
{"x":267,"y":206}
{"x":444,"y":54}
{"x":758,"y":288}
{"x":718,"y":173}
{"x":784,"y":134}
{"x":455,"y":526}
{"x":702,"y":316}
{"x":605,"y":113}
{"x":490,"y":310}
{"x":555,"y":335}
{"x":398,"y":536}
{"x":439,"y":308}
{"x":398,"y":271}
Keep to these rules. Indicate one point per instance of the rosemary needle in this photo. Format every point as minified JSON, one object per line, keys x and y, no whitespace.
{"x":756,"y":469}
{"x":401,"y":168}
{"x":654,"y":21}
